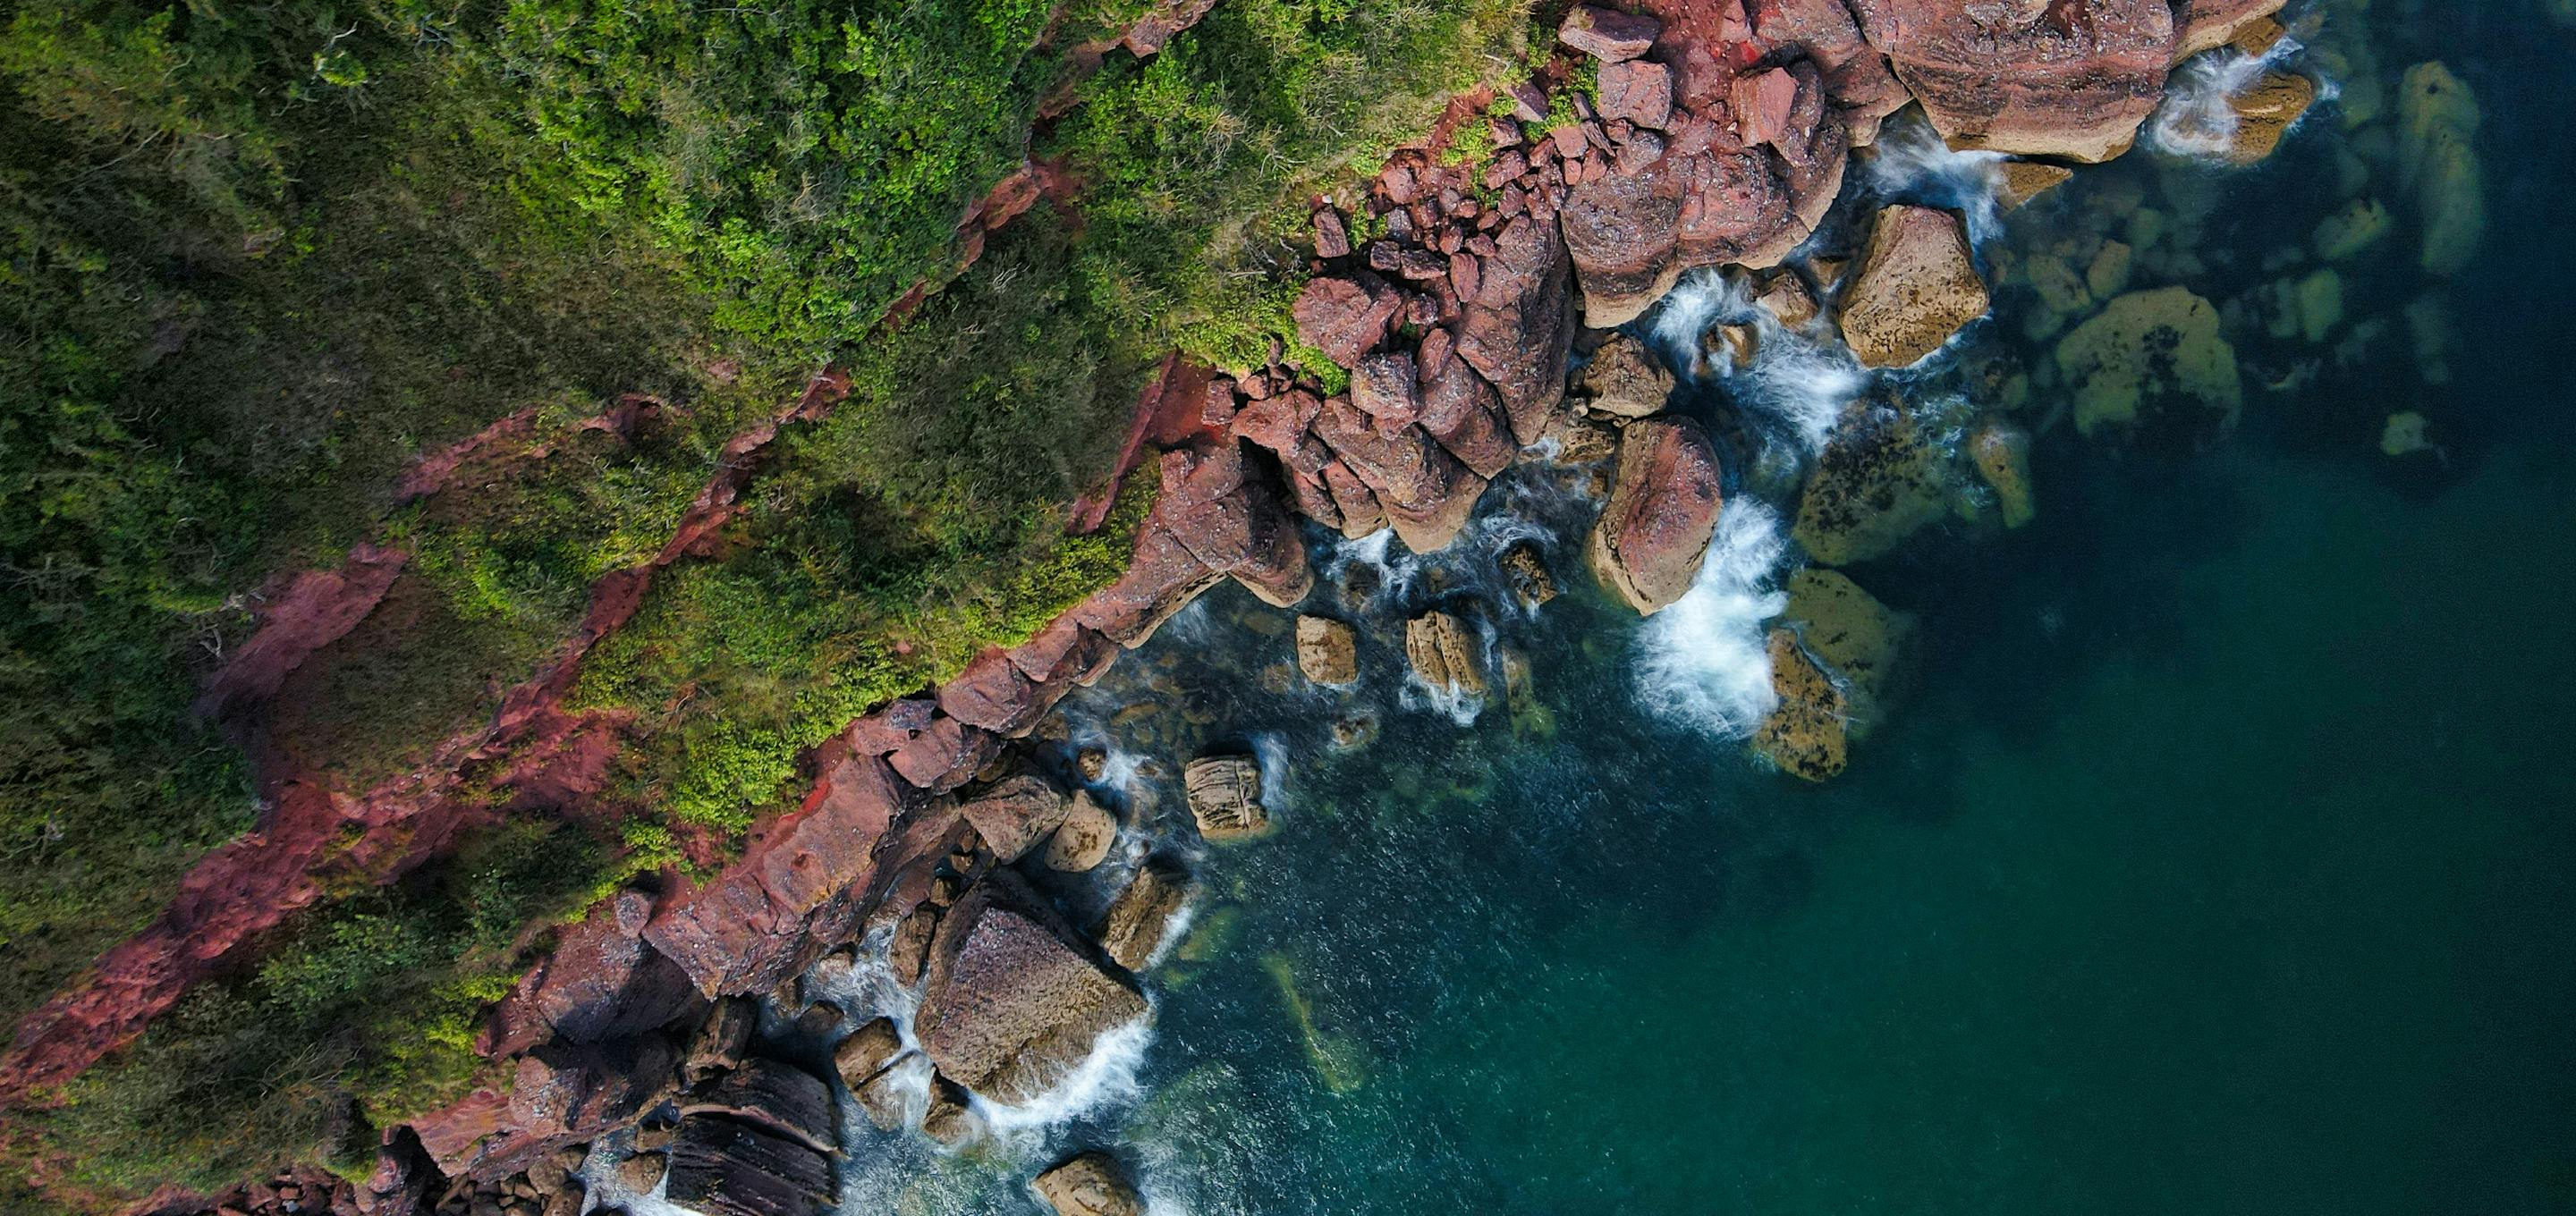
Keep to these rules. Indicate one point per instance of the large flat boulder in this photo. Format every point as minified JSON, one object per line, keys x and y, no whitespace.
{"x":1013,"y":1001}
{"x":1916,"y":286}
{"x":724,"y":1168}
{"x":778,"y":1098}
{"x":1519,"y":326}
{"x":2070,"y":78}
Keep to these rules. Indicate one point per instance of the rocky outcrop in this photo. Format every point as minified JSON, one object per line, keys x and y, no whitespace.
{"x":1444,"y":654}
{"x":1225,"y":797}
{"x":2201,"y":25}
{"x":1091,"y":1184}
{"x":1853,"y":636}
{"x":1662,"y":511}
{"x":1327,"y":651}
{"x":2264,"y":112}
{"x":2069,"y":78}
{"x":777,"y":1098}
{"x":1014,"y":1001}
{"x":1917,"y":285}
{"x":1016,"y":815}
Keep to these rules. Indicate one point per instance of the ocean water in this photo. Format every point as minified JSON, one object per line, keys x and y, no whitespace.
{"x":2220,"y":855}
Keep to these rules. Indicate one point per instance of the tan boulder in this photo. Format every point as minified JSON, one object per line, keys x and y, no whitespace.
{"x":1083,"y":840}
{"x":1805,"y":735}
{"x":1623,"y":379}
{"x":1917,"y":285}
{"x":2264,"y":113}
{"x":1136,"y":922}
{"x":1014,"y":1001}
{"x":1225,"y":797}
{"x":1327,"y":651}
{"x":1091,"y":1184}
{"x":1444,"y":653}
{"x":2020,"y":181}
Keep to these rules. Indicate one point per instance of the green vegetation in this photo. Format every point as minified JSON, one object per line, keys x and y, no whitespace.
{"x":253,"y":262}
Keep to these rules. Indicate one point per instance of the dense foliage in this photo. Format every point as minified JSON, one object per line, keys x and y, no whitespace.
{"x":254,"y":261}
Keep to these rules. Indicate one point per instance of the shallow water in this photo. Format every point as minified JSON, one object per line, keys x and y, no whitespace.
{"x":2219,"y":859}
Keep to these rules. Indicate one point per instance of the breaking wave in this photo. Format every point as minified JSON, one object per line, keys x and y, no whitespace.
{"x":1800,"y":379}
{"x":1911,"y":163}
{"x":1704,"y":662}
{"x":2195,"y":119}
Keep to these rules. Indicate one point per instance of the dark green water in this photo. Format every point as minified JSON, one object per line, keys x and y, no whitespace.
{"x":2222,"y":859}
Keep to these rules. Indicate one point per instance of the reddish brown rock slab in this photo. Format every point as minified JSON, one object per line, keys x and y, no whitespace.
{"x":1016,"y":815}
{"x":1427,"y":494}
{"x":1013,"y":1002}
{"x":1345,"y":315}
{"x":778,"y":1098}
{"x":1663,"y":509}
{"x":992,"y":693}
{"x":1608,"y":34}
{"x":2207,"y":24}
{"x":309,"y":613}
{"x":1465,"y":415}
{"x":1232,"y":515}
{"x":1521,"y":326}
{"x":1161,"y":579}
{"x":2070,"y":78}
{"x":1386,"y":387}
{"x":602,"y":981}
{"x":724,"y":1168}
{"x":1361,"y":512}
{"x":944,"y":755}
{"x":1638,"y":90}
{"x":1856,"y":75}
{"x":1133,"y":928}
{"x":1064,"y":652}
{"x":1916,"y":286}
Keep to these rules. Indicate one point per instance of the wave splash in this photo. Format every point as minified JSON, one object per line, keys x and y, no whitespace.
{"x":2195,"y":120}
{"x":1800,"y":379}
{"x":1704,"y":662}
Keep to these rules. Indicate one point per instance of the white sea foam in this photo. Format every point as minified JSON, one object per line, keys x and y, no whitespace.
{"x":2194,"y":120}
{"x":1106,"y":1077}
{"x":1799,"y":382}
{"x":1704,"y":662}
{"x":1272,"y":748}
{"x":1911,"y":163}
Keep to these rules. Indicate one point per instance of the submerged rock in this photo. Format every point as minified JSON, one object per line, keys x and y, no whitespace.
{"x":1662,"y":511}
{"x":1444,"y":654}
{"x":1225,"y":797}
{"x":1878,"y":481}
{"x":1338,"y":1060}
{"x":1917,"y":285}
{"x":2437,"y":165}
{"x":1328,"y":651}
{"x":2153,"y":363}
{"x":1014,"y":1002}
{"x":2002,"y":454}
{"x":1805,"y":734}
{"x":2020,"y":181}
{"x":1853,"y":636}
{"x":1091,"y":1184}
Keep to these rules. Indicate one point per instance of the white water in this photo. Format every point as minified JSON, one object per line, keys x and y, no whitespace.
{"x":1800,"y":380}
{"x":1912,"y":164}
{"x":1107,"y":1077}
{"x":1704,"y":662}
{"x":2195,"y":120}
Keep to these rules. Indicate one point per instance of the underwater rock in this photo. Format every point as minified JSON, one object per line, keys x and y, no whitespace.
{"x":1916,"y":286}
{"x":1877,"y":482}
{"x":1853,"y":635}
{"x":2020,"y":181}
{"x":2405,"y":434}
{"x":1339,"y":1061}
{"x":2356,"y":227}
{"x":1083,"y":840}
{"x":1133,"y":927}
{"x":1443,"y":654}
{"x":1328,"y":651}
{"x":2437,"y":165}
{"x":1623,"y":379}
{"x":1804,"y":735}
{"x":1015,"y":815}
{"x":2002,"y":454}
{"x":2070,"y":78}
{"x":1525,"y":570}
{"x":866,"y":1052}
{"x":2153,"y":363}
{"x":1662,"y":511}
{"x":2265,"y":111}
{"x":723,"y":1168}
{"x":1013,"y":1001}
{"x":778,"y":1098}
{"x":1225,"y":797}
{"x":1091,"y":1184}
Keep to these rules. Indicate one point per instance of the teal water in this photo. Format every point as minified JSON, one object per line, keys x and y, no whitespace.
{"x":2221,"y":859}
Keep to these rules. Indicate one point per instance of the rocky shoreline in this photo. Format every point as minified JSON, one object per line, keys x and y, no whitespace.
{"x":1460,"y":296}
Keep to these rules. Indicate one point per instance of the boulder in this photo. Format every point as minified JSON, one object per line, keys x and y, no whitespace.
{"x":1638,"y":91}
{"x":1917,"y":285}
{"x":1465,"y":414}
{"x":885,"y":1096}
{"x":2152,"y":365}
{"x":1525,"y":571}
{"x":909,"y":950}
{"x":1014,"y":816}
{"x":1785,"y":296}
{"x":1624,"y":379}
{"x":1663,"y":509}
{"x":639,"y":1173}
{"x":1225,"y":797}
{"x":2437,"y":165}
{"x":1386,"y":387}
{"x":1013,"y":1001}
{"x":1520,"y":326}
{"x":1136,"y":922}
{"x":1328,"y":651}
{"x":1345,"y":316}
{"x":1878,"y":481}
{"x":1853,"y":636}
{"x":723,"y":1168}
{"x":1083,"y":840}
{"x":603,"y":981}
{"x":2264,"y":112}
{"x":949,"y":1117}
{"x":2019,"y":181}
{"x":2201,"y":25}
{"x":1424,"y":490}
{"x":1804,"y":734}
{"x":780,"y":1099}
{"x":2070,"y":78}
{"x":1444,"y":654}
{"x":1855,"y":74}
{"x":1231,"y":514}
{"x":1091,"y":1184}
{"x":866,"y":1052}
{"x":1608,"y":34}
{"x":719,"y":1042}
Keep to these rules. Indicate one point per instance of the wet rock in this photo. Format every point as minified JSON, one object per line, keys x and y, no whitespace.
{"x":1345,"y":316}
{"x":1785,"y":296}
{"x":2348,"y":232}
{"x":1136,"y":922}
{"x":1581,"y":441}
{"x":1354,"y":731}
{"x":781,"y":1099}
{"x":1083,"y":840}
{"x":1092,"y":763}
{"x":1878,"y":481}
{"x":1608,"y":34}
{"x":1916,"y":286}
{"x":867,"y":1051}
{"x":724,"y":1168}
{"x":1444,"y":654}
{"x":1735,"y":345}
{"x":1091,"y":1184}
{"x":1465,"y":415}
{"x":1624,"y":379}
{"x":1804,"y":735}
{"x":2070,"y":78}
{"x":2264,"y":113}
{"x":949,"y":1118}
{"x":2002,"y":454}
{"x":2437,"y":165}
{"x":2153,"y":365}
{"x":1014,"y":816}
{"x":1854,"y":636}
{"x":1662,"y":511}
{"x":1855,"y":74}
{"x":1327,"y":651}
{"x":2201,"y":25}
{"x":1013,"y":1001}
{"x":719,"y":1042}
{"x":1225,"y":797}
{"x":885,"y":1096}
{"x":1638,"y":91}
{"x":909,"y":950}
{"x":639,"y":1173}
{"x":2020,"y":181}
{"x":1525,"y":571}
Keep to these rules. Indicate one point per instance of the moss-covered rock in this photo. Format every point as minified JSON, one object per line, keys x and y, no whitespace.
{"x":2437,"y":165}
{"x":2152,"y":365}
{"x":1852,"y":635}
{"x":2002,"y":455}
{"x":1879,"y":480}
{"x":1805,"y":734}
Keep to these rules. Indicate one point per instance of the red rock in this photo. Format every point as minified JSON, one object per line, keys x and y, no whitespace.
{"x":777,"y":1098}
{"x":2070,"y":78}
{"x":314,"y":610}
{"x":1161,"y":579}
{"x":1064,"y":652}
{"x":1014,"y":1000}
{"x":2204,"y":24}
{"x":1529,"y":101}
{"x":1231,"y":516}
{"x":1761,"y":105}
{"x":727,"y":1168}
{"x":993,"y":694}
{"x":1384,"y":388}
{"x":1014,"y":816}
{"x":1277,"y":423}
{"x":1313,"y":499}
{"x":1521,"y":328}
{"x":891,"y":726}
{"x":1345,"y":317}
{"x":1608,"y":34}
{"x":1427,"y":493}
{"x":1332,"y":238}
{"x":944,"y":755}
{"x":603,"y":981}
{"x":1855,"y":74}
{"x":1465,"y":415}
{"x":1361,"y":512}
{"x":1664,"y":501}
{"x":1638,"y":91}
